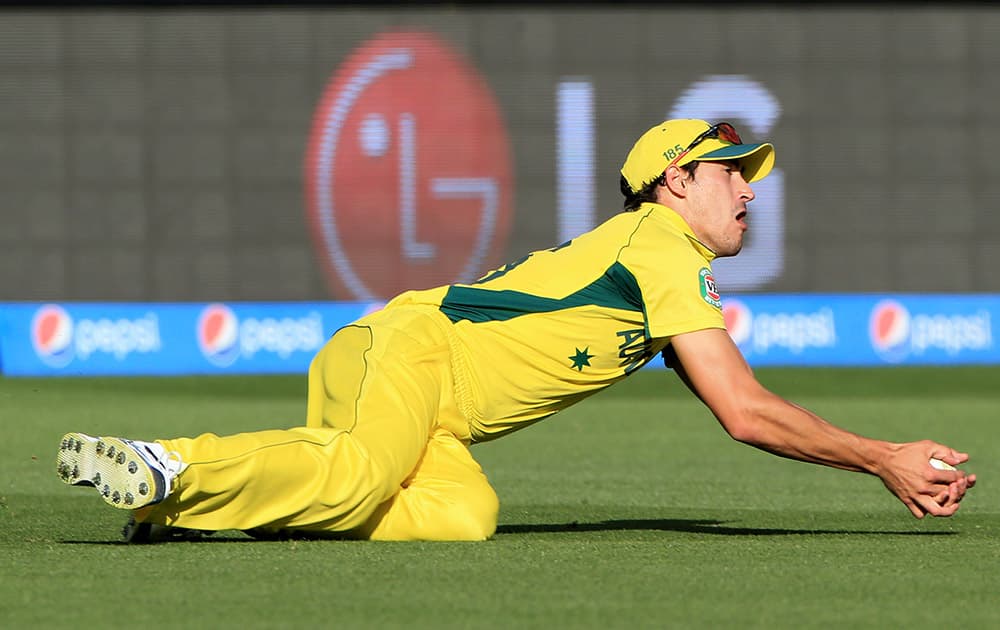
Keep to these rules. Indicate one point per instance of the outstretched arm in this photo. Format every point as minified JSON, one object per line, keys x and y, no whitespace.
{"x":711,"y":365}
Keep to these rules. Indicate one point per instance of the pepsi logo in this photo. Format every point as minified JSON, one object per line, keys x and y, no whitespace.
{"x":218,"y":334}
{"x":52,"y":335}
{"x":739,"y":321}
{"x":889,"y":329}
{"x":408,"y":171}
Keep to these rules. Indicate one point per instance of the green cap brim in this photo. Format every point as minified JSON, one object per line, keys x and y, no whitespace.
{"x":756,"y":159}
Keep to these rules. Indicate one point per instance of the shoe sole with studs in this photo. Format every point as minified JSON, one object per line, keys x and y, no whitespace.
{"x":111,"y":466}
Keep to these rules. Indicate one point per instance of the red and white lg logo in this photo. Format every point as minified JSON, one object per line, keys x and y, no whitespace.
{"x":408,"y":172}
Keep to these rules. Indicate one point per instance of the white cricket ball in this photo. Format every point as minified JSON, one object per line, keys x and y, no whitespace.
{"x":940,"y":465}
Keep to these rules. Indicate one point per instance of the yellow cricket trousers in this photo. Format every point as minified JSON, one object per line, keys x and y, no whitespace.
{"x":384,"y":454}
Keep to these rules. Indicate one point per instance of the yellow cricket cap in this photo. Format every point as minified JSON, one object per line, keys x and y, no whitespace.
{"x":655,"y":149}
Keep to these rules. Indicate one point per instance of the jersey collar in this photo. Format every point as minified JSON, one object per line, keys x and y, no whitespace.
{"x":674,"y":219}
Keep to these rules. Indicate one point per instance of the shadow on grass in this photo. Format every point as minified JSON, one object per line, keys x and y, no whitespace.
{"x":695,"y":526}
{"x":225,"y":536}
{"x":690,"y":526}
{"x":196,"y":541}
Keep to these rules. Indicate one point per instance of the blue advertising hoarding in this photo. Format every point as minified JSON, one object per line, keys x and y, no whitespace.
{"x":67,"y":339}
{"x":864,"y":330}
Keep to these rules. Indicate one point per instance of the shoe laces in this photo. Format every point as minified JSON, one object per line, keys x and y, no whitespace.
{"x":172,"y":463}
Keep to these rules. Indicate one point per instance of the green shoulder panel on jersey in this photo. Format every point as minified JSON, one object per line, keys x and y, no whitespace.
{"x":616,"y":288}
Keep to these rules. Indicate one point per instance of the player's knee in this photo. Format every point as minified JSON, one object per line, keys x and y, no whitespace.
{"x":474,"y":519}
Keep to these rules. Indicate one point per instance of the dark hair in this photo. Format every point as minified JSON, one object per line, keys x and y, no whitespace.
{"x":648,"y":192}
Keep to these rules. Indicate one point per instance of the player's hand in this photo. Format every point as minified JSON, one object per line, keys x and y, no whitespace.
{"x":922,"y":488}
{"x":955,"y":491}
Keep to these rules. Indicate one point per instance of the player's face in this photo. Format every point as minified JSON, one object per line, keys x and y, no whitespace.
{"x":717,"y":201}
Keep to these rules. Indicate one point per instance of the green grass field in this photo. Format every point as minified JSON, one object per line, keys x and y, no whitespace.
{"x":632,"y":510}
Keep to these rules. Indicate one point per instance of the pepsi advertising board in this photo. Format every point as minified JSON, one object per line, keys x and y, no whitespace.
{"x":864,"y":330}
{"x":261,"y":338}
{"x":76,"y":339}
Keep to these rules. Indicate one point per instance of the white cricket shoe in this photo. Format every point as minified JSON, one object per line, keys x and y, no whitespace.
{"x":128,"y":474}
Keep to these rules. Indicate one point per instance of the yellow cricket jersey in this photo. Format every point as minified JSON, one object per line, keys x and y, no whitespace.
{"x":558,"y":325}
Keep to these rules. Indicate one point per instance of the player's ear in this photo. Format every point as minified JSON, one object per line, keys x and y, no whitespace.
{"x":675,"y":180}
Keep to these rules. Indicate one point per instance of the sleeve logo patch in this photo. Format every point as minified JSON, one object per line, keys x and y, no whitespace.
{"x":709,"y":292}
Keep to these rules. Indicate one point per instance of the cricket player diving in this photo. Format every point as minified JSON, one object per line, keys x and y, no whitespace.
{"x":397,"y":398}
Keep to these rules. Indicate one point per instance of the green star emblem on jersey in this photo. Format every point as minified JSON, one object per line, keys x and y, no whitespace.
{"x":581,"y":358}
